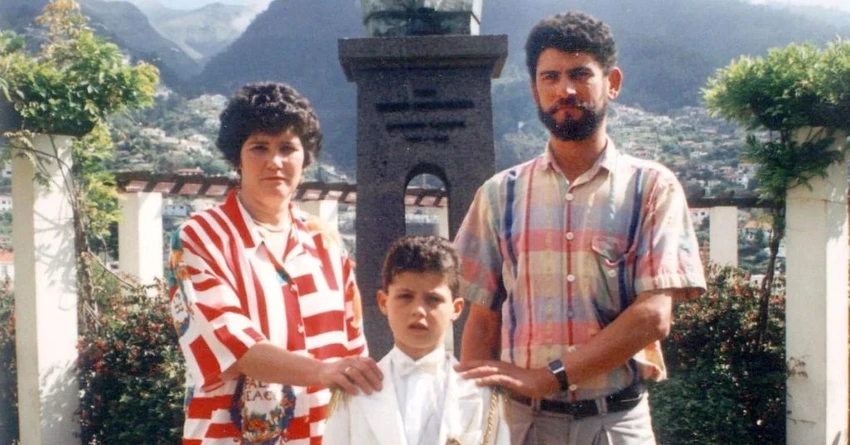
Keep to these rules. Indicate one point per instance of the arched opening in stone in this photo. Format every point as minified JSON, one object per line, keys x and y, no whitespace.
{"x":426,"y":202}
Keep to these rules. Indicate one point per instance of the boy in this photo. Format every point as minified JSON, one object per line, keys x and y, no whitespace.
{"x":424,"y":401}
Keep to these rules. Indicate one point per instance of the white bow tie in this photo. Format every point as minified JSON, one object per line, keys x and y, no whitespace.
{"x":407,"y":366}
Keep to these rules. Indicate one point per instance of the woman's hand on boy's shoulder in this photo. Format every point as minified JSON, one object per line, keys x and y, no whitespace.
{"x":352,"y":374}
{"x":534,"y":383}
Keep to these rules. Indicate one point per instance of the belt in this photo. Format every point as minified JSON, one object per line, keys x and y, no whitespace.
{"x":622,"y":400}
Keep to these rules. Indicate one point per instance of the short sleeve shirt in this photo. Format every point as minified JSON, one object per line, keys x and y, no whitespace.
{"x":562,"y":260}
{"x":229,"y":292}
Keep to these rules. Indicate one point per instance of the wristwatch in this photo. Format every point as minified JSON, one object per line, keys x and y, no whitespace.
{"x":556,"y":367}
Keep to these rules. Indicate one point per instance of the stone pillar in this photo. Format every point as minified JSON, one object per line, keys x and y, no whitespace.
{"x":423,"y":107}
{"x":723,"y":236}
{"x":326,"y":210}
{"x":140,"y":243}
{"x":816,"y":309}
{"x":45,"y":296}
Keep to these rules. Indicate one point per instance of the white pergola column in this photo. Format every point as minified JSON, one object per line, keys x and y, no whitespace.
{"x":326,"y":210}
{"x":816,"y":310}
{"x":45,"y":296}
{"x":140,"y":251}
{"x":723,"y":236}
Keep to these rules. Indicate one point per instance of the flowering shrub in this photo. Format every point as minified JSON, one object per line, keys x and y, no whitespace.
{"x":722,"y":387}
{"x":129,"y":369}
{"x":131,"y":373}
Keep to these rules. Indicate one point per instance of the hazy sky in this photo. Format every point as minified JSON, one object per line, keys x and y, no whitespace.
{"x":191,"y":4}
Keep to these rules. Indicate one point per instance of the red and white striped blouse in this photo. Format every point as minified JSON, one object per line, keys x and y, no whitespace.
{"x":228,"y":293}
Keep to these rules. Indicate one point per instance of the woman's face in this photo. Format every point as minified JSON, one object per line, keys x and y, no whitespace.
{"x":271,"y":165}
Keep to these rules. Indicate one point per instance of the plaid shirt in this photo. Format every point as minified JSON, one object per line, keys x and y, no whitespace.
{"x":561,"y":261}
{"x":228,"y":293}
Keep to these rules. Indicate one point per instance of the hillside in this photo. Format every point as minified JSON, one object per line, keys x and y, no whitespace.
{"x":668,"y":48}
{"x":122,"y":23}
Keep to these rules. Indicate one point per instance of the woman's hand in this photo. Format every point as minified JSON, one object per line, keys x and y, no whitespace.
{"x":352,"y":374}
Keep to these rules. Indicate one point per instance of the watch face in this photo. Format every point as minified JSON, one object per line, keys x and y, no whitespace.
{"x":556,"y":366}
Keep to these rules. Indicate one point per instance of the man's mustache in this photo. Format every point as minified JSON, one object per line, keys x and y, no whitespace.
{"x":568,"y":102}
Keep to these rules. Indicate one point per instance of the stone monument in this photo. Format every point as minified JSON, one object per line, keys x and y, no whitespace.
{"x":393,"y":18}
{"x":423,"y":107}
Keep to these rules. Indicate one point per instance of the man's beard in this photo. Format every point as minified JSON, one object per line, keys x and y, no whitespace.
{"x":572,"y":129}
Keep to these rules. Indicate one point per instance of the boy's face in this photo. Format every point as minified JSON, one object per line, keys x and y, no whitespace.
{"x":420,"y":307}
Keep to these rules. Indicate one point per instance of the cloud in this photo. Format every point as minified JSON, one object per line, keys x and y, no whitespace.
{"x":255,"y":7}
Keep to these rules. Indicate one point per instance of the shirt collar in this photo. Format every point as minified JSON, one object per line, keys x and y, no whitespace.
{"x":607,"y":160}
{"x":248,"y":228}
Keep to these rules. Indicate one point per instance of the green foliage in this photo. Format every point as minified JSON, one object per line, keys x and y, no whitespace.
{"x":131,"y":373}
{"x":129,"y":368}
{"x":723,"y":387}
{"x":8,"y":370}
{"x":77,"y":78}
{"x":793,"y":87}
{"x":95,"y":185}
{"x":784,"y":164}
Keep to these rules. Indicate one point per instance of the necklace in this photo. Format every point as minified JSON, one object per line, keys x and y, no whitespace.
{"x":270,"y":227}
{"x":266,"y":226}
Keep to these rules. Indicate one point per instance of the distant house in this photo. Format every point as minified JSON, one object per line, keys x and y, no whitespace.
{"x":752,"y":228}
{"x":7,"y":266}
{"x":699,"y":215}
{"x":5,"y":203}
{"x":198,"y":138}
{"x":172,"y":210}
{"x":151,"y":132}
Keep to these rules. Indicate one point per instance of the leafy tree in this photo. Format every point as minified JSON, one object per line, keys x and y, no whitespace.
{"x":799,"y":96}
{"x":70,"y":86}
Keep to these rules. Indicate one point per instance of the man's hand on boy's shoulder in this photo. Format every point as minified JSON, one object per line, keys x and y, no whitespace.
{"x":534,"y":383}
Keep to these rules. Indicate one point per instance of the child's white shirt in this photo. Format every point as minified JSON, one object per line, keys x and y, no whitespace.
{"x":421,"y":406}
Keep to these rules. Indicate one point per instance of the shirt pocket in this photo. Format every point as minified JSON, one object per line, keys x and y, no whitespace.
{"x":615,"y":262}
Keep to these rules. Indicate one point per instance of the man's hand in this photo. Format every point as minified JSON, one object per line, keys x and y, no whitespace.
{"x":535,"y":383}
{"x":352,"y":374}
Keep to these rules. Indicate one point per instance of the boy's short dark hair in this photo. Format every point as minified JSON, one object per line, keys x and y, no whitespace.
{"x":269,"y":107}
{"x":571,"y":32}
{"x":421,"y":254}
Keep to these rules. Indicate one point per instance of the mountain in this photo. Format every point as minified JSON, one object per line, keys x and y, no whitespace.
{"x":296,"y":42}
{"x":200,"y":32}
{"x":668,"y":49}
{"x":203,"y":32}
{"x":123,"y":24}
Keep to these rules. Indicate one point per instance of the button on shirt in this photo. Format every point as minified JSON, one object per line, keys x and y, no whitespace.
{"x":561,"y":260}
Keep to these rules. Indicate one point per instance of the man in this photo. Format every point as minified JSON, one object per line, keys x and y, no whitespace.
{"x":572,"y":260}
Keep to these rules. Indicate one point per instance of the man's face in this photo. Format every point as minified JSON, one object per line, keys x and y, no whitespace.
{"x":572,"y":93}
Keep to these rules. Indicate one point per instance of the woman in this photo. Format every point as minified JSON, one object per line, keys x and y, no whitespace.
{"x":264,"y":301}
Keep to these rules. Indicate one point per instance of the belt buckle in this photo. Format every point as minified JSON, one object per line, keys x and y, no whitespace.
{"x":535,"y":405}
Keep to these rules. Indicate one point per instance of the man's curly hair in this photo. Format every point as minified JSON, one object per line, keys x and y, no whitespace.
{"x":268,"y":107}
{"x":571,"y":32}
{"x":421,"y":254}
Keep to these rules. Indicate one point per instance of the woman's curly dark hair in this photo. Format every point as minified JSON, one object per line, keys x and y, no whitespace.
{"x":571,"y":32}
{"x":268,"y":107}
{"x":421,"y":254}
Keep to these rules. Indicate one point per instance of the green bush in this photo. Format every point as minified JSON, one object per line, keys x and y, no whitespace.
{"x":131,"y":373}
{"x":8,"y":370}
{"x":129,"y":368}
{"x":722,"y":388}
